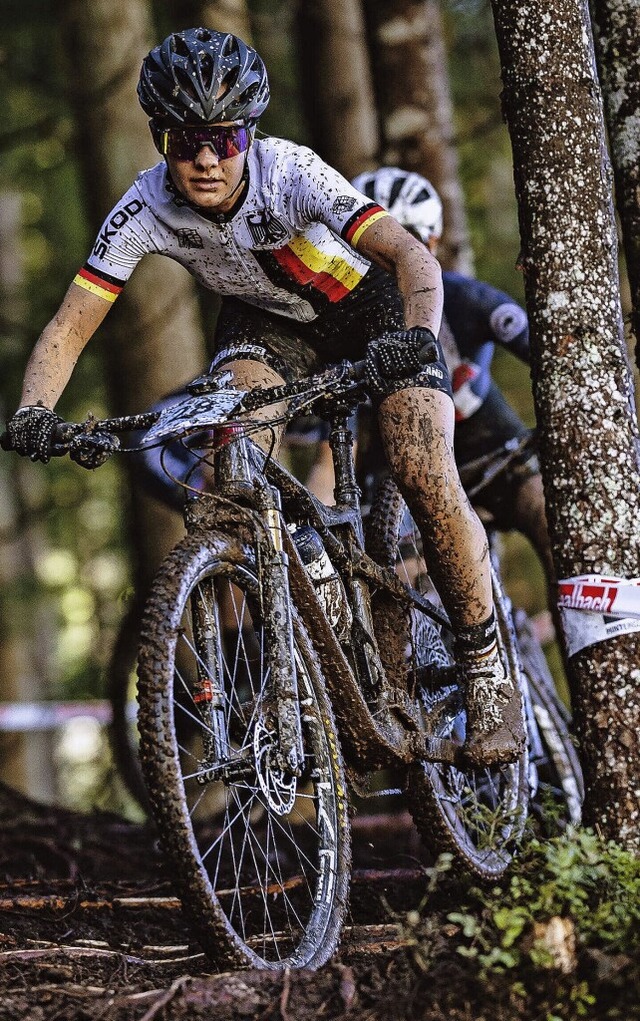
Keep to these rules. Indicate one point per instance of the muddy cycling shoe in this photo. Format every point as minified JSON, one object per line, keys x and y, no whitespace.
{"x":495,"y":726}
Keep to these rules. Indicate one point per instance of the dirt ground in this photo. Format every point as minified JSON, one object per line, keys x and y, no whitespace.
{"x":90,"y":929}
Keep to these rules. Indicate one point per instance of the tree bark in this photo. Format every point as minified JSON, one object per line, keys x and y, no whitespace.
{"x":416,"y":110}
{"x":581,"y":378}
{"x":154,"y":334}
{"x":617,"y":34}
{"x":336,"y":83}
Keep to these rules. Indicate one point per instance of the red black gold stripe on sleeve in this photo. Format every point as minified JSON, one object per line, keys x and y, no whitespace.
{"x":355,"y":227}
{"x":102,"y":284}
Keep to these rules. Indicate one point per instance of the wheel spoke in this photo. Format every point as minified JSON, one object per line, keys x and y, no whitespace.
{"x":265,"y":848}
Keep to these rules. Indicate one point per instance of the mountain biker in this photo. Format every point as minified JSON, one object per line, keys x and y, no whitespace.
{"x":305,"y":265}
{"x":476,"y":317}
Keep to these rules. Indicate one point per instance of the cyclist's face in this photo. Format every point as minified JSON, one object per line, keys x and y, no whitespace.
{"x":207,"y":180}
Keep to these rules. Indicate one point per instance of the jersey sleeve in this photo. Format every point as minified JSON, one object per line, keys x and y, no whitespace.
{"x":507,"y":322}
{"x":119,"y":246}
{"x":324,"y":195}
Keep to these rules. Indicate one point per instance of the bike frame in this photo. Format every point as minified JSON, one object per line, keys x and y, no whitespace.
{"x":270,"y":498}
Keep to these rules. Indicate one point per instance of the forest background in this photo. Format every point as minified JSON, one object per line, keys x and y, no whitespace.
{"x":66,"y":564}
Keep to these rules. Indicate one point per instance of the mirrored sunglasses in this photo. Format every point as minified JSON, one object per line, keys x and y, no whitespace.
{"x":186,"y":143}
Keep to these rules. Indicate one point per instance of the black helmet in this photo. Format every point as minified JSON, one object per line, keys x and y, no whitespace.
{"x":181,"y":79}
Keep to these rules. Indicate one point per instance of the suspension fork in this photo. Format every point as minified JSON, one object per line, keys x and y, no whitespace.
{"x":278,"y":625}
{"x":209,"y":695}
{"x":234,"y":466}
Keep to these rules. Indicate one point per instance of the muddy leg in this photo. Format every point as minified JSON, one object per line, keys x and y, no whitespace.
{"x":417,"y":431}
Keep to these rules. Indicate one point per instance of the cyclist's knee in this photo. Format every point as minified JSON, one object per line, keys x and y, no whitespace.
{"x":249,"y":373}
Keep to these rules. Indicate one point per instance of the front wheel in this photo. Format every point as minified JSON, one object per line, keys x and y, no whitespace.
{"x":477,"y":814}
{"x":260,"y":856}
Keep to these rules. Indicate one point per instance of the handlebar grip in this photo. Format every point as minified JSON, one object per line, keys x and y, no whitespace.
{"x":358,"y":370}
{"x":5,"y":442}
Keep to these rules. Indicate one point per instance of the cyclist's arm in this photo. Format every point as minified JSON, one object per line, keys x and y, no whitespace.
{"x":416,"y":270}
{"x":60,"y":344}
{"x":493,"y":315}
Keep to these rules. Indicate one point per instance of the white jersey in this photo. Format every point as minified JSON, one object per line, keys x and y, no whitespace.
{"x":289,"y":247}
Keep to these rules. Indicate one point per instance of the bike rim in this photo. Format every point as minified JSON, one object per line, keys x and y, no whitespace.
{"x":265,"y":841}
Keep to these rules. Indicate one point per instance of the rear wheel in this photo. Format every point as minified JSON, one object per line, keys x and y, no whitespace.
{"x":261,"y":857}
{"x":556,"y":773}
{"x":478,"y":814}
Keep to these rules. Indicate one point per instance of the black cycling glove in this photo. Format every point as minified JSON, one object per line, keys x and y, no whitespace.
{"x":91,"y":450}
{"x":30,"y":432}
{"x":396,"y":358}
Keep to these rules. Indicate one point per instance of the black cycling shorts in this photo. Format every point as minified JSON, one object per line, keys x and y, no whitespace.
{"x":295,"y":349}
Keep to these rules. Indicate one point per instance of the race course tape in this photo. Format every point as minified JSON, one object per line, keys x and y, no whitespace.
{"x":595,"y":608}
{"x":27,"y":716}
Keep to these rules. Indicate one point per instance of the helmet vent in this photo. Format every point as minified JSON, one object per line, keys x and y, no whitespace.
{"x":396,"y":188}
{"x":186,"y":84}
{"x":179,"y":46}
{"x":229,"y":46}
{"x":206,"y":70}
{"x":203,"y":35}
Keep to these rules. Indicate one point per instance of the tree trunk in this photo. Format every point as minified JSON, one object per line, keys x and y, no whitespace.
{"x":414,"y":101}
{"x":154,"y":335}
{"x":582,"y":385}
{"x":617,"y":31}
{"x":26,"y":616}
{"x":336,"y":83}
{"x":276,"y":38}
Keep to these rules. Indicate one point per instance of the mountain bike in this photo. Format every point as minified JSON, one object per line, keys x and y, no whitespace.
{"x":555,"y":775}
{"x":284,"y":659}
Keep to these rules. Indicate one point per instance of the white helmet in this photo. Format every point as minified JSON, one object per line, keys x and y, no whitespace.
{"x":410,"y":198}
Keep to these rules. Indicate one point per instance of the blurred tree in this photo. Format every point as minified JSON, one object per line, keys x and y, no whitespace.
{"x":335,"y":79}
{"x":154,"y":334}
{"x":274,"y":35}
{"x":26,"y":640}
{"x":617,"y":31}
{"x":222,"y":15}
{"x":582,"y":384}
{"x":414,"y":102}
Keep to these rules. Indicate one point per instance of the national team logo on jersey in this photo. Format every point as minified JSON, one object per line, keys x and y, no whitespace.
{"x":343,"y":204}
{"x":266,"y":228}
{"x":189,"y":238}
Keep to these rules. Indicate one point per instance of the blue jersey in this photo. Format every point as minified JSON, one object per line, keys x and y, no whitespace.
{"x":478,"y":317}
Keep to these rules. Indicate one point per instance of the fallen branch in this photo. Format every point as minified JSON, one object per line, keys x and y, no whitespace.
{"x":165,"y":997}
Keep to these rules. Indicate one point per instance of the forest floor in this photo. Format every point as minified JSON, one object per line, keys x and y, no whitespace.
{"x":90,"y":929}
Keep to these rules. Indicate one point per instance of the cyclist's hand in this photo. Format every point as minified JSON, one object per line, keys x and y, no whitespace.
{"x":397,"y":357}
{"x":30,"y":432}
{"x":90,"y":450}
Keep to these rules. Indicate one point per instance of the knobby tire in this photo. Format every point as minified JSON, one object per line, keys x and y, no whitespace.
{"x":476,"y":814}
{"x":261,"y":864}
{"x":558,"y":781}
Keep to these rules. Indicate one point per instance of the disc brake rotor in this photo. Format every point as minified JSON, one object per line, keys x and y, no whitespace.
{"x":278,"y":787}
